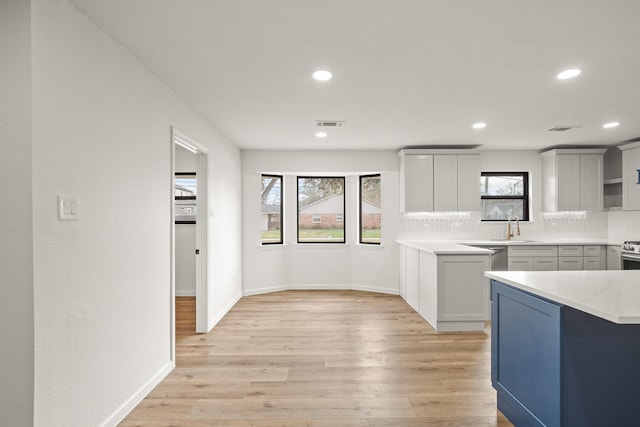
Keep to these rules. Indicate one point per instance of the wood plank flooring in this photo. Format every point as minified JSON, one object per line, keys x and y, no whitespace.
{"x":322,"y":359}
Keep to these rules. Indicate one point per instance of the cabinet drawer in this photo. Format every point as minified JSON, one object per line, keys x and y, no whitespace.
{"x":570,"y":250}
{"x":593,"y":263}
{"x":545,"y":263}
{"x":592,"y":250}
{"x":570,"y":263}
{"x":528,"y":251}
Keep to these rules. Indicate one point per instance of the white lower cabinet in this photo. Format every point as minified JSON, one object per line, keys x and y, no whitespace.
{"x":450,"y":292}
{"x":552,"y":258}
{"x":533,"y":258}
{"x":571,"y":263}
{"x":412,"y":263}
{"x":593,"y":263}
{"x":614,"y":261}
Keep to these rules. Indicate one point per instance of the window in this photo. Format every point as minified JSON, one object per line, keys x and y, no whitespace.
{"x":271,"y":209}
{"x":504,"y":194}
{"x":320,"y":202}
{"x":339,"y":218}
{"x":370,"y":209}
{"x":184,"y":191}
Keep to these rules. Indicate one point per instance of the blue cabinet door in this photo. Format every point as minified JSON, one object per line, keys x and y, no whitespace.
{"x":525,"y":356}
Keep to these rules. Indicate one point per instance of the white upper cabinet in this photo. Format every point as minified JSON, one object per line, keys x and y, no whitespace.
{"x":439,"y":180}
{"x":630,"y":176}
{"x":416,"y":183}
{"x":572,"y":180}
{"x":445,"y":182}
{"x":469,"y":183}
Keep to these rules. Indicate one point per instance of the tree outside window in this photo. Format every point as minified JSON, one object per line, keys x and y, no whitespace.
{"x":370,"y":209}
{"x":271,"y":215}
{"x":321,"y":202}
{"x":504,"y":194}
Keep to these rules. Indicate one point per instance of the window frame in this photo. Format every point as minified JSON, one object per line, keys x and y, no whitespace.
{"x":344,"y":210}
{"x":183,"y":198}
{"x":360,"y":229}
{"x":281,"y":178}
{"x":524,"y":197}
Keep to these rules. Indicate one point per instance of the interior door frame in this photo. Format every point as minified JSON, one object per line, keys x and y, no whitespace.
{"x":202,"y":234}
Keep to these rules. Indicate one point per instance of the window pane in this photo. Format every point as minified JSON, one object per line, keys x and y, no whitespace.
{"x":185,"y":185}
{"x":271,"y":223}
{"x":320,"y":204}
{"x":501,"y":209}
{"x":184,"y":191}
{"x":370,"y":209}
{"x":502,"y":185}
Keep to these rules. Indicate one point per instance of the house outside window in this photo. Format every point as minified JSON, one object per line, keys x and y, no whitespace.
{"x":504,"y":194}
{"x":271,"y":213}
{"x":321,"y":202}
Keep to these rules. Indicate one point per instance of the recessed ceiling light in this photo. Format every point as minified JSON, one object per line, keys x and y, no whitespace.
{"x":611,"y":125}
{"x":479,"y":125}
{"x":321,"y":134}
{"x":569,"y":74}
{"x":322,"y":75}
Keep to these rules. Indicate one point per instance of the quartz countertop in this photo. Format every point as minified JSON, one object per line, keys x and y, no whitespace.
{"x":613,"y":295}
{"x":466,"y":247}
{"x":444,"y":247}
{"x":545,"y":242}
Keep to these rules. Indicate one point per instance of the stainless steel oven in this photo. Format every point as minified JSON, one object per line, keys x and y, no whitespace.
{"x":630,"y":255}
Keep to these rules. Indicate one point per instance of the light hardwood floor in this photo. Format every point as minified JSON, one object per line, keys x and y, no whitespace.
{"x":322,"y":359}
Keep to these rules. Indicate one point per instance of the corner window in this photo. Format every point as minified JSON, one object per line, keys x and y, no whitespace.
{"x":370,"y":209}
{"x":271,"y":215}
{"x":320,"y":204}
{"x":504,"y":194}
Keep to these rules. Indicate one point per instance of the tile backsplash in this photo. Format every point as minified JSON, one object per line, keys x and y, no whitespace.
{"x":467,"y":225}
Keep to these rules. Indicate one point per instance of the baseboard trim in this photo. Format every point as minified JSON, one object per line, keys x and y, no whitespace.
{"x":121,"y":412}
{"x":218,"y":317}
{"x":185,"y":293}
{"x":334,"y":287}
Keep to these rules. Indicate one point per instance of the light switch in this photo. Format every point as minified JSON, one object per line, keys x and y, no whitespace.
{"x":68,"y":208}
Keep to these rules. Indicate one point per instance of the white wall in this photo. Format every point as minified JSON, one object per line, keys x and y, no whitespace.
{"x":623,"y":225}
{"x":322,"y":266}
{"x":185,"y":160}
{"x":185,"y":259}
{"x":102,"y":283}
{"x":16,"y":250}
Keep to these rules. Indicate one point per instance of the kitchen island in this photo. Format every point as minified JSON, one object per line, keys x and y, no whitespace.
{"x":444,"y":282}
{"x":565,"y":347}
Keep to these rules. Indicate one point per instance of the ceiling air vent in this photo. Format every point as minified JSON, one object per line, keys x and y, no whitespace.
{"x":330,"y":123}
{"x":562,"y":128}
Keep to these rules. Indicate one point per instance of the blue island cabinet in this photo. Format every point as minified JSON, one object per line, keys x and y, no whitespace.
{"x":553,"y":365}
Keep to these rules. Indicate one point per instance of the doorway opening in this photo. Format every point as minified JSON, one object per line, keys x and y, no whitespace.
{"x":189,"y":228}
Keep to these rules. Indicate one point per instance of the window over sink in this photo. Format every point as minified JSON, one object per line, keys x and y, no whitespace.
{"x":504,"y":194}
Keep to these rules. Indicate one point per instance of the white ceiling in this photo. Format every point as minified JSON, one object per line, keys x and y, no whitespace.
{"x":406,"y":72}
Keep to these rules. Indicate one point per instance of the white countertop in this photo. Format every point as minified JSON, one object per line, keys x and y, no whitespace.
{"x":444,"y":247}
{"x":613,"y":295}
{"x":465,"y":247}
{"x":547,"y":242}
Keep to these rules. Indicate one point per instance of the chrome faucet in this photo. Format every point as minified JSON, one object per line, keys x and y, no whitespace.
{"x":510,"y":232}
